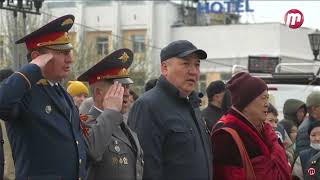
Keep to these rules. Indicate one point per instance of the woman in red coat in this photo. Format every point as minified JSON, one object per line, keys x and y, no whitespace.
{"x":252,"y":140}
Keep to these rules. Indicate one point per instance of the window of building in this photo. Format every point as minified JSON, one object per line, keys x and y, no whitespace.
{"x":202,"y":83}
{"x":138,"y":42}
{"x":102,"y":45}
{"x":225,"y":76}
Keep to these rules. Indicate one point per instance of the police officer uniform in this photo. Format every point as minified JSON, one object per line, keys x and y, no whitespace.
{"x":114,"y":151}
{"x":42,"y":121}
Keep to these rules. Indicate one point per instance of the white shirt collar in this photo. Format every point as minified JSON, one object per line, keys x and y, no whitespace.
{"x":98,"y":109}
{"x":52,"y":83}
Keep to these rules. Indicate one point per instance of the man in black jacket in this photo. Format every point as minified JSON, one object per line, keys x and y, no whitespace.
{"x":168,"y":121}
{"x":217,"y":101}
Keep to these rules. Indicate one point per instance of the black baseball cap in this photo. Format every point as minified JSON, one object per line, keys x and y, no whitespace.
{"x":313,"y":125}
{"x":181,"y":48}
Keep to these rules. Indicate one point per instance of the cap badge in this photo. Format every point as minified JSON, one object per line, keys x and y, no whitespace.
{"x":67,"y":21}
{"x":124,"y":57}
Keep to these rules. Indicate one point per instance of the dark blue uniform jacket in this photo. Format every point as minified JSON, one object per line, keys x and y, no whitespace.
{"x":43,"y":128}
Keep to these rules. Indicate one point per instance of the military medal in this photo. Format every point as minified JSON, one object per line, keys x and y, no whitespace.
{"x":114,"y":161}
{"x":48,"y":109}
{"x":117,"y":148}
{"x":125,"y":160}
{"x":120,"y":161}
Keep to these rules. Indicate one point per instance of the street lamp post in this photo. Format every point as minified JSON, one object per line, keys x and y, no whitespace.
{"x":314,"y":39}
{"x":24,"y":7}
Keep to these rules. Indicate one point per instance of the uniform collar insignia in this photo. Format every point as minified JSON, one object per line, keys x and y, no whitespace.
{"x":43,"y":82}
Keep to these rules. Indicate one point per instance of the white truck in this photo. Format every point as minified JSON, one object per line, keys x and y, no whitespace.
{"x":288,"y":81}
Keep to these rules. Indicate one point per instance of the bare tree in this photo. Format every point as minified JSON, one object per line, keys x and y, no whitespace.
{"x":140,"y":70}
{"x":16,"y":25}
{"x":85,"y":56}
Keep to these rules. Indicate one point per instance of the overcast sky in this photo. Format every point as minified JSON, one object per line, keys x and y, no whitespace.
{"x":274,"y":11}
{"x":271,"y":10}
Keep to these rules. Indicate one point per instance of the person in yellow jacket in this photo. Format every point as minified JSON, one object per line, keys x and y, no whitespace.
{"x":78,"y":91}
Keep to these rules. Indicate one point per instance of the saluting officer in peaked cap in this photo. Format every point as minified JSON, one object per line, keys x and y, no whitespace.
{"x":53,"y":35}
{"x":113,"y":149}
{"x":42,"y":119}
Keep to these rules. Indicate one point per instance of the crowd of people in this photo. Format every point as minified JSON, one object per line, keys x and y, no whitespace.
{"x":62,"y":133}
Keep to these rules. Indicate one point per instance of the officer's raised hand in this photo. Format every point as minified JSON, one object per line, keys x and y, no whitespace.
{"x":114,"y":97}
{"x":41,"y":61}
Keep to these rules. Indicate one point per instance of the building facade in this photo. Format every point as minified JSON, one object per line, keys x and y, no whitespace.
{"x":147,"y":26}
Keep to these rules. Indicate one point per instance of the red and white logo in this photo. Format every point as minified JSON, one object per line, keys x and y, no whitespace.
{"x":311,"y":171}
{"x":294,"y":18}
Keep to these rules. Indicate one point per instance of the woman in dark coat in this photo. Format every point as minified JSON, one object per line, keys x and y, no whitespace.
{"x":258,"y":154}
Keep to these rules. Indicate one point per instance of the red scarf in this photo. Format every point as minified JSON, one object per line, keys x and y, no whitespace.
{"x":229,"y":118}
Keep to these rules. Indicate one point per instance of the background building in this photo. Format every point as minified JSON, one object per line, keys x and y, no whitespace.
{"x":147,"y":26}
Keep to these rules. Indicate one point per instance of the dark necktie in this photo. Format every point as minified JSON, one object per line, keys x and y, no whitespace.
{"x":58,"y":90}
{"x":65,"y":104}
{"x":126,"y":131}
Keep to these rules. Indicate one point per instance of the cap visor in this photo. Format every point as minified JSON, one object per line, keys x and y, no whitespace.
{"x":199,"y":52}
{"x":124,"y":80}
{"x":60,"y":46}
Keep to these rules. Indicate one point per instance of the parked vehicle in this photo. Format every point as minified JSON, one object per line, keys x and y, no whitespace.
{"x":287,"y":81}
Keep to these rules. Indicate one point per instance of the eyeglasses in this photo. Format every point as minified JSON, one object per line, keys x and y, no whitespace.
{"x":127,"y":86}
